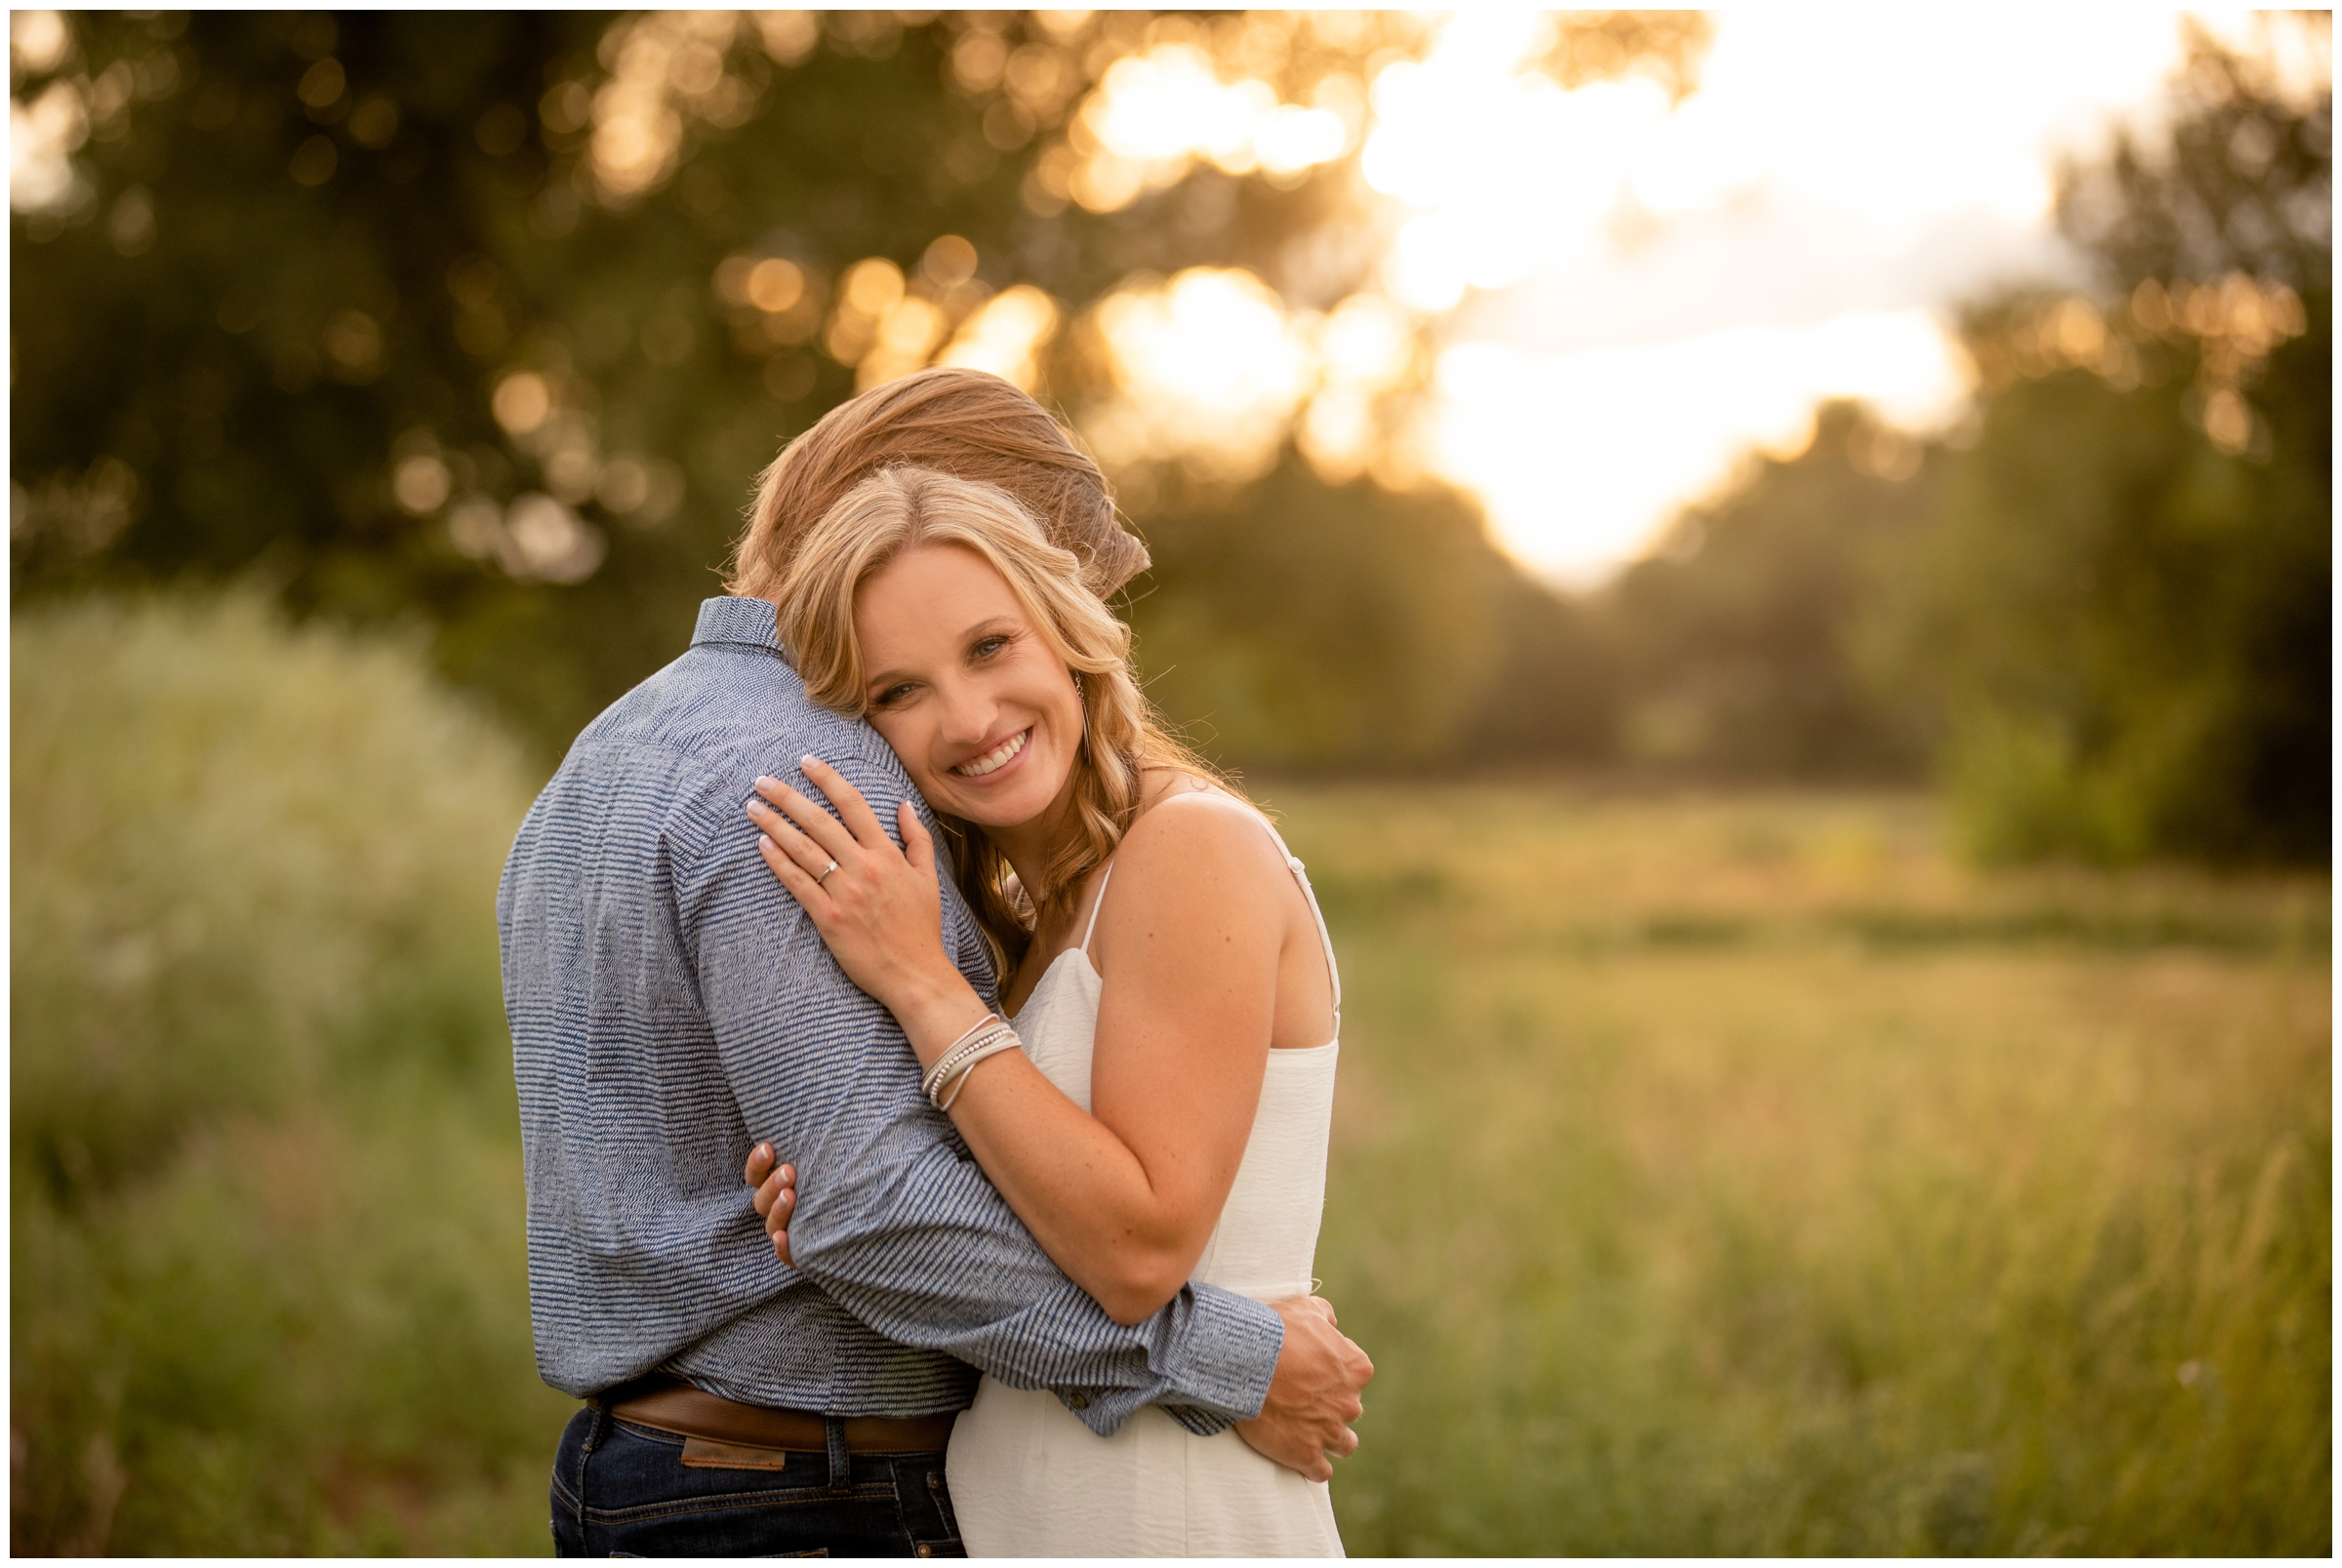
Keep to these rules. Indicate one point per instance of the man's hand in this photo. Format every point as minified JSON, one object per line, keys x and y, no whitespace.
{"x":1314,"y":1393}
{"x":776,"y":1188}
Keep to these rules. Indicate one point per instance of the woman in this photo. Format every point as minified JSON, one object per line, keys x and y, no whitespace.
{"x":1170,"y":984}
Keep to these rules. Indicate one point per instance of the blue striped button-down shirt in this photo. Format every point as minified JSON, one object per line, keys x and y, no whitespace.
{"x":671,"y":1005}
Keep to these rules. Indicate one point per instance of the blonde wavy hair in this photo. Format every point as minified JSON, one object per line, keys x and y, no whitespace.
{"x":1123,"y":737}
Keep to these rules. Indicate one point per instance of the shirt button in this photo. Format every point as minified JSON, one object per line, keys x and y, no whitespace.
{"x":1079,"y":1401}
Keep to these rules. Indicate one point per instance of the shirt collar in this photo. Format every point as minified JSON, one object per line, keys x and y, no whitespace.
{"x":736,"y":619}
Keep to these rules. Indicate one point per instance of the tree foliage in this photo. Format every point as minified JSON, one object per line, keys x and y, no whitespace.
{"x":1734,"y":642}
{"x":481,"y":320}
{"x":1301,"y":626}
{"x":2103,"y":608}
{"x":2244,"y":180}
{"x":2123,"y":618}
{"x":458,"y":315}
{"x":298,"y":300}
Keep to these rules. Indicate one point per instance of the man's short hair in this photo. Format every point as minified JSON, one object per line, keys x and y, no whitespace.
{"x":964,"y":422}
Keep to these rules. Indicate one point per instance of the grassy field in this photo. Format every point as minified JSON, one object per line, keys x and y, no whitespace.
{"x":1742,"y":1175}
{"x":1711,"y":1174}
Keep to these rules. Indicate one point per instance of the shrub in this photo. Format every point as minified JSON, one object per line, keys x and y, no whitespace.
{"x":268,"y":1291}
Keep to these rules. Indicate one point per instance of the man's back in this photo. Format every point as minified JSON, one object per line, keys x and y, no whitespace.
{"x":642,"y":1242}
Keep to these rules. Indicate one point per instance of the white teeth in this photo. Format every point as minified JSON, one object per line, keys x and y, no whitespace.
{"x":997,"y":757}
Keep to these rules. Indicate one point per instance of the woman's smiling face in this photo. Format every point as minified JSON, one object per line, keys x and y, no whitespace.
{"x":965,"y":689}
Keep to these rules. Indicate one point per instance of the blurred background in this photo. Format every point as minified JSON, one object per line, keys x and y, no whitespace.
{"x":1777,"y":567}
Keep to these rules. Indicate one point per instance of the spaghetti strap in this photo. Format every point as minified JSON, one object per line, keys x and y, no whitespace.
{"x":1309,"y":894}
{"x":1091,"y":930}
{"x":1300,"y":875}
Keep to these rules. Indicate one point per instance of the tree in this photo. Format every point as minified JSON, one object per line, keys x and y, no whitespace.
{"x":1733,"y":641}
{"x":2243,"y":181}
{"x":2122,"y":620}
{"x":490,"y":318}
{"x":362,"y":299}
{"x":1299,"y":624}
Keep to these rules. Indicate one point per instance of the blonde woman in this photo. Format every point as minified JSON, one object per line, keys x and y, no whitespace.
{"x":1153,"y":1098}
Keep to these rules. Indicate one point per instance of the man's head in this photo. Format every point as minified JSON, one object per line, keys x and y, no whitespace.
{"x":964,"y":422}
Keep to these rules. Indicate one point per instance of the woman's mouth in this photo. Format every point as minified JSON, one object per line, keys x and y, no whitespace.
{"x":999,"y":757}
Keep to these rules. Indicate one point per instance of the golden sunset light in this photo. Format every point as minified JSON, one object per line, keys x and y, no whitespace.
{"x":886,"y":739}
{"x":1634,"y":295}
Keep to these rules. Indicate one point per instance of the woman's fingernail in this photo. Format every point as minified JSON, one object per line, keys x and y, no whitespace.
{"x":765,"y":780}
{"x":809,"y":761}
{"x":787,"y":1196}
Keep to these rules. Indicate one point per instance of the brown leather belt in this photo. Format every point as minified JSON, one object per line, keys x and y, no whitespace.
{"x":670,"y":1405}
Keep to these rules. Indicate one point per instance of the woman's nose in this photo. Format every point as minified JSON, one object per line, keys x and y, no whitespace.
{"x":967,"y":712}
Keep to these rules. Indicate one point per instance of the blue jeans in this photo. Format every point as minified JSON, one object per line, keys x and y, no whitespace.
{"x":624,"y":1491}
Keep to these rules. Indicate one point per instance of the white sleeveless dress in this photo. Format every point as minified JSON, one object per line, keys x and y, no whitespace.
{"x":1030,"y":1480}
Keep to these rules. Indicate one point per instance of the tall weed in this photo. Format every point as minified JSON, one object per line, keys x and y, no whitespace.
{"x":1748,"y":1176}
{"x":268,"y":1291}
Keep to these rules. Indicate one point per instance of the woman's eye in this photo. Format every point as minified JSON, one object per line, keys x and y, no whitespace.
{"x":893,"y":694}
{"x":986,"y":647}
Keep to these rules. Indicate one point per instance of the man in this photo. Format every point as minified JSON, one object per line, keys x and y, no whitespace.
{"x":671,"y":1007}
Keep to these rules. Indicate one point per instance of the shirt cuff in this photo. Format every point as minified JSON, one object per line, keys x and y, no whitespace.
{"x":1213,"y":1355}
{"x":1221,"y":1366}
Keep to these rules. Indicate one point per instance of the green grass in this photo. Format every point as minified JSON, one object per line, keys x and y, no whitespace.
{"x":1746,"y":1175}
{"x":1710,"y":1176}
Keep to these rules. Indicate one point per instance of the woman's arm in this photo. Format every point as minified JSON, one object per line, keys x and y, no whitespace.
{"x":1125,"y":1199}
{"x":1131,"y":1192}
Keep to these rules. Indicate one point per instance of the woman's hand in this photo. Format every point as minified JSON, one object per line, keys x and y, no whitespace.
{"x":880,"y":908}
{"x":775,"y":1200}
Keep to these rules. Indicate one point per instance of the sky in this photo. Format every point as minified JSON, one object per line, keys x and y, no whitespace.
{"x":1800,"y":228}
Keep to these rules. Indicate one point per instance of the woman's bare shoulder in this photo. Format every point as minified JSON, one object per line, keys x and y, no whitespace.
{"x":1197,"y":830}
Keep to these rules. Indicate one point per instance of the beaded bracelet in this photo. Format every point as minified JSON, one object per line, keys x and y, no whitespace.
{"x":951,"y":1067}
{"x":990,"y":1036}
{"x":960,"y":1055}
{"x":933,"y":1077}
{"x":1004,"y":1040}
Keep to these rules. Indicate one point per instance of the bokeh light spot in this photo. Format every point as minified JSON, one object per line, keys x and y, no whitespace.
{"x":521,"y":402}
